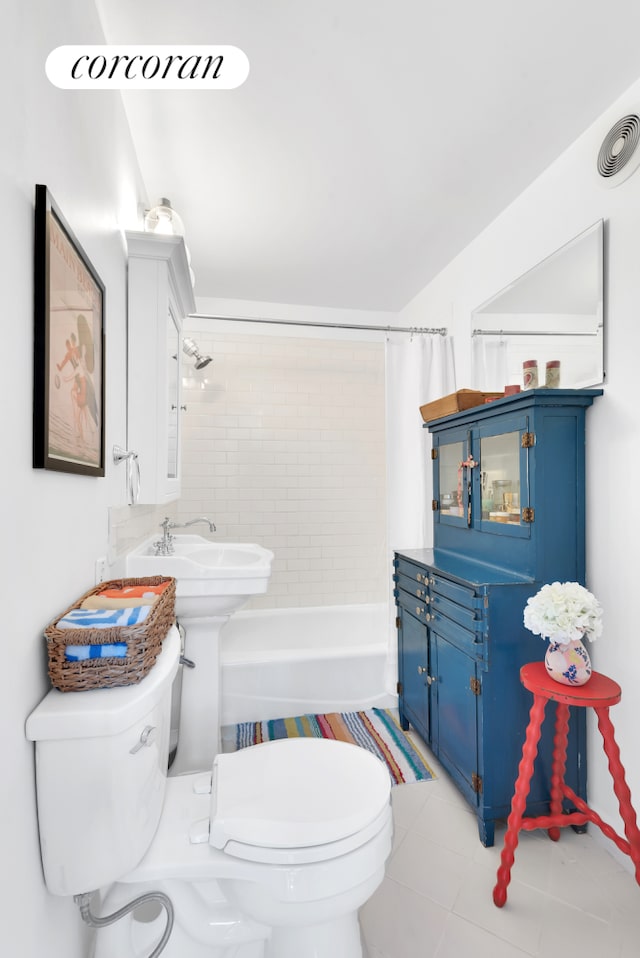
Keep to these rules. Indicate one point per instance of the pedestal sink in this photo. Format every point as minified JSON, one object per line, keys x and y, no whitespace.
{"x":213,"y":580}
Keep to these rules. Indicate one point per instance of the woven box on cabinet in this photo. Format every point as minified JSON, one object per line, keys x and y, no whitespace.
{"x":456,"y":402}
{"x":143,"y":641}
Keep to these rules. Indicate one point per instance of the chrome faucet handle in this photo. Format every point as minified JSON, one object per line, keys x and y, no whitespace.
{"x":163,"y":547}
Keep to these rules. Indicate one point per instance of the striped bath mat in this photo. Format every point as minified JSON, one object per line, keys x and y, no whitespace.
{"x":374,"y":729}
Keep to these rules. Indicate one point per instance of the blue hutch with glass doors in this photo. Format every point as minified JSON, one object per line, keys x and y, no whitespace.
{"x":509,"y":516}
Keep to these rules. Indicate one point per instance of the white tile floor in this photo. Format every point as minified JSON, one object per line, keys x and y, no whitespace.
{"x":566,"y":899}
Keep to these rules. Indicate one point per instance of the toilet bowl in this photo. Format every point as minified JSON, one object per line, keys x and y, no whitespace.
{"x":270,"y":854}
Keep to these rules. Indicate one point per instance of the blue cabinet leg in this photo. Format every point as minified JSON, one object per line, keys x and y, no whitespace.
{"x":486,"y":830}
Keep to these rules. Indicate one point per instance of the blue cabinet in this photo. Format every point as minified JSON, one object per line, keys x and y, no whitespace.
{"x":508,"y":508}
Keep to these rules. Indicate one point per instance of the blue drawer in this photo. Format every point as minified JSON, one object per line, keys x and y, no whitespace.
{"x":463,"y":595}
{"x":417,"y":589}
{"x":471,"y":619}
{"x":413,"y":571}
{"x":417,"y":607}
{"x":464,"y":639}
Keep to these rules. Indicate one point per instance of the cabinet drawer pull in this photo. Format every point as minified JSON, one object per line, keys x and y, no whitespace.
{"x":419,"y":577}
{"x":421,"y":670}
{"x":419,"y":611}
{"x":431,"y":679}
{"x":428,"y":617}
{"x":419,"y":593}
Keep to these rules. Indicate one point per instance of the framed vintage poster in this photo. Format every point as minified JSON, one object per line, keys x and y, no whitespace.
{"x":68,"y":374}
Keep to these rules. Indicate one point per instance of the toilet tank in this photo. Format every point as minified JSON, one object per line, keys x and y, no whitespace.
{"x":101,"y":768}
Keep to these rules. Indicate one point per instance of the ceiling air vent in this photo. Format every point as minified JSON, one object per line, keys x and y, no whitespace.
{"x":619,"y":157}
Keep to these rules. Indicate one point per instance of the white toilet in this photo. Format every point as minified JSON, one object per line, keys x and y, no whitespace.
{"x":271,"y":856}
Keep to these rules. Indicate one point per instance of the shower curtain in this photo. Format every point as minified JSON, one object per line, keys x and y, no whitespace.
{"x":418,"y":370}
{"x":489,"y":363}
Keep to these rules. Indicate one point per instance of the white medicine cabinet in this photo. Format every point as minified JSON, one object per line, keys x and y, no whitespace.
{"x":160,"y":296}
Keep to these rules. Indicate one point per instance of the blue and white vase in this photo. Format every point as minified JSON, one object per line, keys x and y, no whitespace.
{"x":568,"y":664}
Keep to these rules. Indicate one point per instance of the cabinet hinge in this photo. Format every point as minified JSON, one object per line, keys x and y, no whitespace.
{"x":476,"y":783}
{"x":397,"y":622}
{"x":434,"y":505}
{"x":434,"y":453}
{"x":528,"y":440}
{"x":475,"y":685}
{"x":528,"y":514}
{"x":399,"y":688}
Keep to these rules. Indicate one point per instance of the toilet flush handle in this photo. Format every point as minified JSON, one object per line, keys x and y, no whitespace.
{"x":147,"y":738}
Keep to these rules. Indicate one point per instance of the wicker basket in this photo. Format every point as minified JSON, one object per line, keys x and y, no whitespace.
{"x":456,"y":402}
{"x":144,"y":642}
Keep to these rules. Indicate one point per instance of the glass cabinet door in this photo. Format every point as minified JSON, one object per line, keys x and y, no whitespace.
{"x":451,"y":493}
{"x":500,"y":478}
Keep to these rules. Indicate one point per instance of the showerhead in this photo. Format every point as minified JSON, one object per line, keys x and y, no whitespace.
{"x":192,"y":349}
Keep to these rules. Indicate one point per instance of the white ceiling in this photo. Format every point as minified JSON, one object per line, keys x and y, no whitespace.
{"x":372,"y":140}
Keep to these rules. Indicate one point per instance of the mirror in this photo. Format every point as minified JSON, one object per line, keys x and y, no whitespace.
{"x":554,"y":312}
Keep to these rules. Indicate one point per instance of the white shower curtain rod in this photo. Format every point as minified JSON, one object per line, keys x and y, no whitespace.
{"x":430,"y":331}
{"x":528,"y":332}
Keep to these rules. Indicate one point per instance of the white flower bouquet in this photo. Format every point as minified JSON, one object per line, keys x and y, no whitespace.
{"x":564,"y":612}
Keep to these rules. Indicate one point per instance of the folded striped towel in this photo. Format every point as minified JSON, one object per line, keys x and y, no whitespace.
{"x":99,"y":601}
{"x":103,"y":618}
{"x":78,"y":653}
{"x":133,"y":591}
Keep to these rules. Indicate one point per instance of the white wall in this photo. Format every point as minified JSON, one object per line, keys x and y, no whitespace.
{"x":54,"y":526}
{"x":562,"y":202}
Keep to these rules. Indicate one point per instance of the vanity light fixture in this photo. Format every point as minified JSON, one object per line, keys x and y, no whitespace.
{"x":191,"y":348}
{"x":163,"y":219}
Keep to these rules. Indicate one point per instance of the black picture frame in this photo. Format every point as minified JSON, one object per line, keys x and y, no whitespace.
{"x":69,"y":348}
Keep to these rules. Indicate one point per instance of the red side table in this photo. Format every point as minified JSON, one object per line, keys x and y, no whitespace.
{"x":599,"y":693}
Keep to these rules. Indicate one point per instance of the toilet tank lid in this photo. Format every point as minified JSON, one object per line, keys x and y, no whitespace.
{"x":98,"y":712}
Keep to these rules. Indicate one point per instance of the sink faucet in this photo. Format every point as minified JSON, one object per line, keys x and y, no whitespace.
{"x":164,"y":546}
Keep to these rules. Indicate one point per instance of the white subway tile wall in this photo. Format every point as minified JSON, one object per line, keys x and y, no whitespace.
{"x":129,"y":526}
{"x":283,"y":443}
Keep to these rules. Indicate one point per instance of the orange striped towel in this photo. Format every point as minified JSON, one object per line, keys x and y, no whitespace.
{"x":134,"y":591}
{"x":102,"y":601}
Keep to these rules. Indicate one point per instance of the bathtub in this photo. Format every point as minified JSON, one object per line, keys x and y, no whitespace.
{"x":282,"y":662}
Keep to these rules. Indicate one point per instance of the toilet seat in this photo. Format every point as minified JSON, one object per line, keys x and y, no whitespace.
{"x":297,"y":800}
{"x":309,"y":854}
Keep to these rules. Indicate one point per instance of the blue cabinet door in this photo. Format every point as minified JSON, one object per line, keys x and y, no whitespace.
{"x":413,"y":670}
{"x":455,"y":717}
